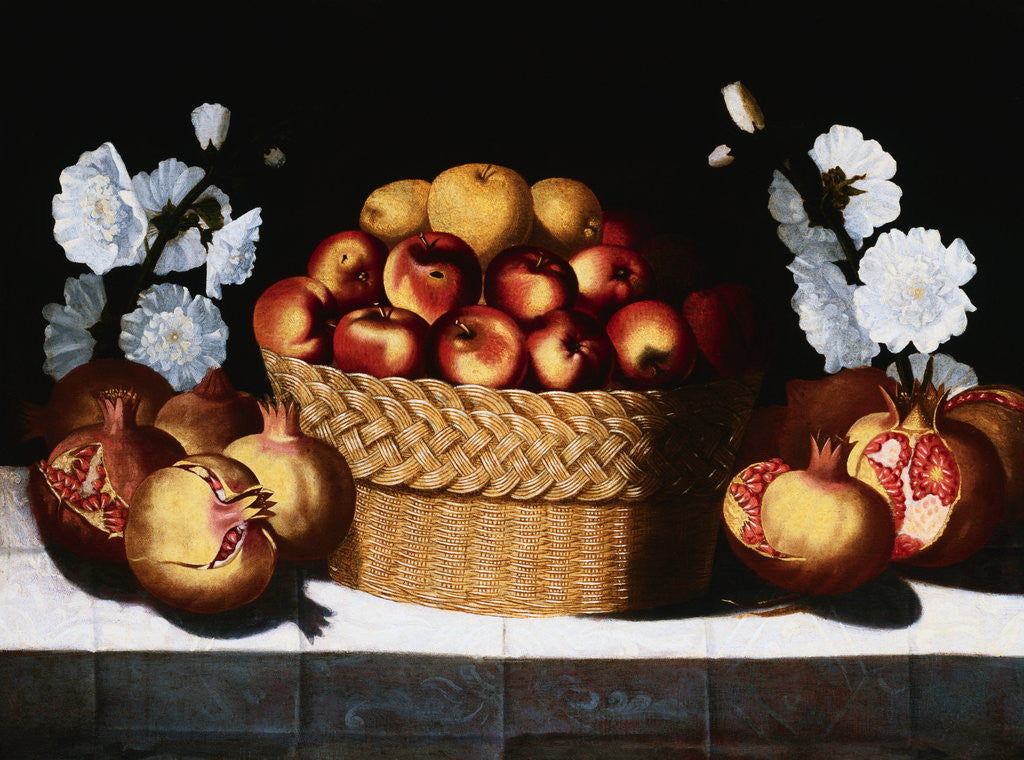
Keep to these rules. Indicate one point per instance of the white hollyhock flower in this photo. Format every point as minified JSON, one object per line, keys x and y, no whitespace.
{"x":743,"y":107}
{"x":796,"y":233}
{"x":856,"y":173}
{"x":824,"y":303}
{"x":166,"y":187}
{"x":232,"y":253}
{"x":67,"y":342}
{"x":179,"y":335}
{"x":947,"y":372}
{"x":97,"y":219}
{"x":911,"y":291}
{"x":211,"y":121}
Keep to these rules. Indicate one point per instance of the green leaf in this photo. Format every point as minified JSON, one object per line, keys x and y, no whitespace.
{"x":209,"y":211}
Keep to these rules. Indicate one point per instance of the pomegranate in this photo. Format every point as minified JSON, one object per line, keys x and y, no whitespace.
{"x":314,"y":494}
{"x":812,"y":408}
{"x":815,"y":531}
{"x":998,"y":412}
{"x":942,"y":477}
{"x":211,"y":415}
{"x":72,"y":404}
{"x":196,"y":539}
{"x":92,"y":474}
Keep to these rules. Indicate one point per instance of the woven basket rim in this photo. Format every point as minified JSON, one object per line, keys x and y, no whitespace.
{"x":616,"y":392}
{"x":591,"y":446}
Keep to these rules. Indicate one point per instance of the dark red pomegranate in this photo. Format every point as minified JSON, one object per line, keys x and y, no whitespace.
{"x":998,"y":412}
{"x":91,"y":475}
{"x":211,"y":415}
{"x":72,"y":401}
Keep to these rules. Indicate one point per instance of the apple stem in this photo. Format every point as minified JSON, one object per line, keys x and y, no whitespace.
{"x":486,"y":172}
{"x":423,"y":239}
{"x":540,"y":262}
{"x":466,"y":332}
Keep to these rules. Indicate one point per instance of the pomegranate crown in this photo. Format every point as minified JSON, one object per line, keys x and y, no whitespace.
{"x":215,"y":385}
{"x":280,"y":418}
{"x":918,"y":406}
{"x":118,"y":406}
{"x":828,"y":457}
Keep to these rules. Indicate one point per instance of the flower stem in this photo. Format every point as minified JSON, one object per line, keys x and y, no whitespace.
{"x":904,"y":370}
{"x":106,"y":331}
{"x":805,"y":177}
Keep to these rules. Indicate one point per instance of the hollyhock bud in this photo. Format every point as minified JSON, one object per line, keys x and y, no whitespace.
{"x":211,"y":122}
{"x":743,"y":108}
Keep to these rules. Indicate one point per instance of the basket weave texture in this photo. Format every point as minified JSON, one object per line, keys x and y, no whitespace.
{"x":518,"y":503}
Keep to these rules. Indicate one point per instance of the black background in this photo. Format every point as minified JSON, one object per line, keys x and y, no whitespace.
{"x":625,"y":98}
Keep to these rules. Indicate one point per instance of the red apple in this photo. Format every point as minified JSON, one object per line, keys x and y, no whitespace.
{"x":628,"y":228}
{"x":654,"y":345}
{"x":384,"y":341}
{"x":730,"y":337}
{"x":292,"y":316}
{"x":682,"y":263}
{"x":351,"y":265}
{"x":569,"y":351}
{"x":432,"y":273}
{"x":526,"y":281}
{"x":610,"y":277}
{"x":478,"y":344}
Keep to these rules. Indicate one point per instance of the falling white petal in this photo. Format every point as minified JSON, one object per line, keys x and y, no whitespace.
{"x":720,"y":156}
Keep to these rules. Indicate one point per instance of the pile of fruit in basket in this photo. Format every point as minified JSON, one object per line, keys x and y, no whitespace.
{"x":478,"y":277}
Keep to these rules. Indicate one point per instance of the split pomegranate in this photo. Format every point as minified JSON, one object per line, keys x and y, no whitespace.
{"x":998,"y":412}
{"x":197,"y":538}
{"x":942,"y":477}
{"x":211,"y":415}
{"x":72,"y":401}
{"x":314,"y":494}
{"x":814,"y":531}
{"x":91,"y":477}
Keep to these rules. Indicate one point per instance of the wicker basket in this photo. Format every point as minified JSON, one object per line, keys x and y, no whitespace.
{"x":524,"y":504}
